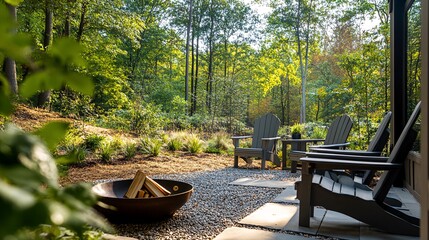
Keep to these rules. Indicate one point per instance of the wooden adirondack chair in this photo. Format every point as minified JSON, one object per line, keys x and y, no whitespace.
{"x":336,"y":138}
{"x":366,"y":206}
{"x":375,"y":147}
{"x":264,"y":141}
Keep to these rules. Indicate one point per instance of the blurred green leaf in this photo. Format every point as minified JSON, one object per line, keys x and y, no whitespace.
{"x":52,"y":133}
{"x":65,"y":160}
{"x":21,"y":199}
{"x":14,"y":45}
{"x":81,"y":83}
{"x":14,"y":2}
{"x":21,"y":176}
{"x":44,"y":80}
{"x":68,"y":51}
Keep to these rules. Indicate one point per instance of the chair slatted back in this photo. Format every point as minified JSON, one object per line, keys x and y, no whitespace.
{"x":398,"y":155}
{"x":382,"y":135}
{"x":339,"y":130}
{"x":265,"y":126}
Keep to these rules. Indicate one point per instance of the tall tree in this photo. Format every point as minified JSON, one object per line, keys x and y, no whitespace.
{"x":9,"y":65}
{"x":297,"y":18}
{"x":44,"y":96}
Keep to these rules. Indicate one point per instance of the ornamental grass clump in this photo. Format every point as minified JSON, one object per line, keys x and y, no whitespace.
{"x":129,"y":150}
{"x":219,"y":143}
{"x":93,"y":142}
{"x":151,"y":146}
{"x":106,"y":151}
{"x":194,"y":144}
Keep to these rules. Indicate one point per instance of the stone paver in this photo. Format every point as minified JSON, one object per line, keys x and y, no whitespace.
{"x":292,"y":225}
{"x":287,"y":196}
{"x":235,"y":233}
{"x":271,"y":215}
{"x":338,"y":225}
{"x":262,"y":183}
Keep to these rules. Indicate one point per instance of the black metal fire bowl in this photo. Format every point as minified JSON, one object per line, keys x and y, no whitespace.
{"x":118,"y":209}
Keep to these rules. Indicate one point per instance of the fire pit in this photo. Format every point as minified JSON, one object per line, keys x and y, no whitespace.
{"x":119,"y":209}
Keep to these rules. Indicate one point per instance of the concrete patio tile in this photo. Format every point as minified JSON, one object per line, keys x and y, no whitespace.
{"x":315,"y":222}
{"x":369,"y":233}
{"x":271,"y":215}
{"x":404,"y":195}
{"x":235,"y":233}
{"x":262,"y":183}
{"x":412,"y":209}
{"x":287,"y":196}
{"x":338,"y":225}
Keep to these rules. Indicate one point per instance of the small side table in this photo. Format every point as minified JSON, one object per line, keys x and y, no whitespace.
{"x":296,"y":145}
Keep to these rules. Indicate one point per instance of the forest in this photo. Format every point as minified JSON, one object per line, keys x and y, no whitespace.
{"x":212,"y":65}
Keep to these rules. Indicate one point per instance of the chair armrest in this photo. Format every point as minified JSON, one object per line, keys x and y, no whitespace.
{"x":329,"y":164}
{"x":266,"y":142}
{"x":332,"y":146}
{"x":236,"y":140}
{"x":346,"y":152}
{"x":270,"y":138}
{"x":346,"y":157}
{"x":241,"y":137}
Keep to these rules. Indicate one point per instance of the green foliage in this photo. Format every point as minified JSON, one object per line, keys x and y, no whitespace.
{"x":219,"y":143}
{"x":318,"y":133}
{"x":117,"y":142}
{"x":194,"y":144}
{"x":29,"y":188}
{"x":61,"y":56}
{"x":52,"y":133}
{"x":30,"y":196}
{"x":175,"y":144}
{"x":93,"y":142}
{"x":297,"y":128}
{"x":106,"y":151}
{"x":151,"y":146}
{"x":80,"y":153}
{"x":129,"y":150}
{"x":140,"y":119}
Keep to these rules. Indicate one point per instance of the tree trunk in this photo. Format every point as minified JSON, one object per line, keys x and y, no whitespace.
{"x":44,"y":97}
{"x":82,"y":21}
{"x":9,"y":65}
{"x":188,"y":33}
{"x":210,"y":70}
{"x":196,"y":74}
{"x":192,"y":72}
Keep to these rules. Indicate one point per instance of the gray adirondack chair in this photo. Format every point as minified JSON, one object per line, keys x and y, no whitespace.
{"x":336,"y":138}
{"x":375,"y":147}
{"x":264,"y":141}
{"x":366,"y":206}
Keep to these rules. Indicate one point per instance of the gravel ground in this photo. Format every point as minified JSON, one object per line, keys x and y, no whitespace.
{"x":214,"y":205}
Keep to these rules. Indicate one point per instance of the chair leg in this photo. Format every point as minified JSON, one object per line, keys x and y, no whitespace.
{"x":236,"y":161}
{"x":263,"y":163}
{"x":293,"y":166}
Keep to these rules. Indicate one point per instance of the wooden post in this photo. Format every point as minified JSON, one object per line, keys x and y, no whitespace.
{"x":305,"y":211}
{"x":424,"y":202}
{"x":398,"y":56}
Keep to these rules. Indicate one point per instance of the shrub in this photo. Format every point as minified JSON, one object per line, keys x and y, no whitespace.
{"x":93,"y":142}
{"x":175,"y":144}
{"x":106,"y":151}
{"x":318,"y":133}
{"x":194,"y":144}
{"x":130,"y":150}
{"x":117,"y":142}
{"x":78,"y":152}
{"x":219,"y":143}
{"x":151,"y":146}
